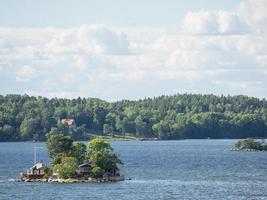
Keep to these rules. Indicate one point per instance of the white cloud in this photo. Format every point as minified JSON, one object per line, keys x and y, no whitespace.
{"x":210,"y":54}
{"x":25,"y":73}
{"x":102,"y":40}
{"x":254,"y":12}
{"x":90,"y":39}
{"x":231,"y":23}
{"x":214,"y":22}
{"x":251,"y":16}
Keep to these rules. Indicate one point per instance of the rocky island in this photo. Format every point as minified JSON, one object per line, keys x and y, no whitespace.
{"x":75,"y":162}
{"x":250,"y":144}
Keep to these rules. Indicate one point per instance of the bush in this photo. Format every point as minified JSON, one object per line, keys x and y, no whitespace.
{"x":101,"y":155}
{"x":249,"y":143}
{"x":48,"y":172}
{"x":67,"y":168}
{"x":97,"y":172}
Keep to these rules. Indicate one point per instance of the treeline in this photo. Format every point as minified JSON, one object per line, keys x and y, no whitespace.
{"x":166,"y":117}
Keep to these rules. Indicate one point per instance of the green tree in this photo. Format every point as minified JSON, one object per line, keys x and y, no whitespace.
{"x":140,"y":126}
{"x":249,"y":143}
{"x":107,"y":129}
{"x":111,"y":120}
{"x":67,"y":168}
{"x":24,"y":117}
{"x":79,"y":151}
{"x":7,"y":133}
{"x":101,"y":155}
{"x":99,"y":144}
{"x":57,"y":144}
{"x":28,"y":128}
{"x":48,"y":172}
{"x":162,"y":129}
{"x":97,"y":172}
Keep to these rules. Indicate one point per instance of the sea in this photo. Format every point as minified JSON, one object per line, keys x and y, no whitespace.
{"x":183,"y":170}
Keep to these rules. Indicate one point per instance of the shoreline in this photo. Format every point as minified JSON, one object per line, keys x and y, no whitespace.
{"x":132,"y":138}
{"x":247,"y":150}
{"x":75,"y":180}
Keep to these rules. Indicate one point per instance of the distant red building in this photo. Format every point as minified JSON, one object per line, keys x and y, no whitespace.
{"x":69,"y":122}
{"x":35,"y":172}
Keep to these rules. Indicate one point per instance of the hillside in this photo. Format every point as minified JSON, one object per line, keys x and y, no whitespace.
{"x":179,"y":116}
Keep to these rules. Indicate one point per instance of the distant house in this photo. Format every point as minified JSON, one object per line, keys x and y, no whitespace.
{"x":35,"y":172}
{"x":37,"y":169}
{"x":69,"y":122}
{"x":113,"y":175}
{"x":84,"y":169}
{"x":113,"y":172}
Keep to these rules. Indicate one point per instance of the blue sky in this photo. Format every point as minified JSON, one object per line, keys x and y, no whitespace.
{"x":133,"y":49}
{"x":36,"y":13}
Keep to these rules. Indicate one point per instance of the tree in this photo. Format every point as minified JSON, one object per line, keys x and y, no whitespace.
{"x":180,"y":116}
{"x":140,"y":126}
{"x":162,"y":129}
{"x":48,"y":172}
{"x":99,"y":144}
{"x":101,"y":155}
{"x":79,"y":151}
{"x":111,"y":120}
{"x":104,"y":160}
{"x":119,"y":125}
{"x":57,"y":144}
{"x":249,"y":143}
{"x":99,"y":117}
{"x":60,"y":112}
{"x":28,"y":128}
{"x":97,"y":172}
{"x":6,"y":133}
{"x":107,"y":129}
{"x":67,"y":168}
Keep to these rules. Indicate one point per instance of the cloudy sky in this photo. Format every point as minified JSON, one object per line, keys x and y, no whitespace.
{"x":133,"y":49}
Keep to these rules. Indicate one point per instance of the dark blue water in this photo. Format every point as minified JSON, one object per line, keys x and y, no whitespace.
{"x":188,"y":169}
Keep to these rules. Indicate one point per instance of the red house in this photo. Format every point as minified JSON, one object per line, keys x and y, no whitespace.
{"x":69,"y":122}
{"x":35,"y":172}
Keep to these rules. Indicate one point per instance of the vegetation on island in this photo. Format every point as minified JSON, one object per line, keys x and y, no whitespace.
{"x":66,"y":156}
{"x":166,"y":117}
{"x":250,"y":144}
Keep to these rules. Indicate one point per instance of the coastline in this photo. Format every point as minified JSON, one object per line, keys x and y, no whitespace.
{"x":76,"y":180}
{"x":132,"y":138}
{"x":246,"y":150}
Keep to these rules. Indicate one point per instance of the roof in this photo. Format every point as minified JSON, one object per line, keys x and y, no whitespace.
{"x":38,"y":165}
{"x":68,"y":122}
{"x":85,"y":165}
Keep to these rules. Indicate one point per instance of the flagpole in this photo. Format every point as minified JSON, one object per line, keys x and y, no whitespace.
{"x":35,"y":152}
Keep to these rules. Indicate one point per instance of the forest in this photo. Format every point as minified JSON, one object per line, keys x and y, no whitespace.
{"x":181,"y":116}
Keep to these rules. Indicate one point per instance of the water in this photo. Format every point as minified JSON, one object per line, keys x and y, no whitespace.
{"x":188,"y":169}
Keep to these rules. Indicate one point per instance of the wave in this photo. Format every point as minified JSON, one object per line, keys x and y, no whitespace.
{"x":12,"y":180}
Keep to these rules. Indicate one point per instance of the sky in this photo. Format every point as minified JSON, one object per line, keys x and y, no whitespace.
{"x":122,"y":49}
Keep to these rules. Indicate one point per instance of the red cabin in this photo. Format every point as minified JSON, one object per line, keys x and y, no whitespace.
{"x":35,"y":172}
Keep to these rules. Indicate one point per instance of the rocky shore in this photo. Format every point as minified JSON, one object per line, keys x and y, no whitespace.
{"x":74,"y":180}
{"x":250,"y":144}
{"x":236,"y":149}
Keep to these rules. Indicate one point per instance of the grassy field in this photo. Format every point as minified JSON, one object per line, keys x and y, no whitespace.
{"x":114,"y":137}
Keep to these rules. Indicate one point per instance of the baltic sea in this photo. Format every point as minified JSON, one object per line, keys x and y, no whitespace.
{"x":186,"y":169}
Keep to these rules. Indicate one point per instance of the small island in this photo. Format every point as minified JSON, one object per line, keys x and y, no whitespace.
{"x":250,"y":144}
{"x":75,"y":162}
